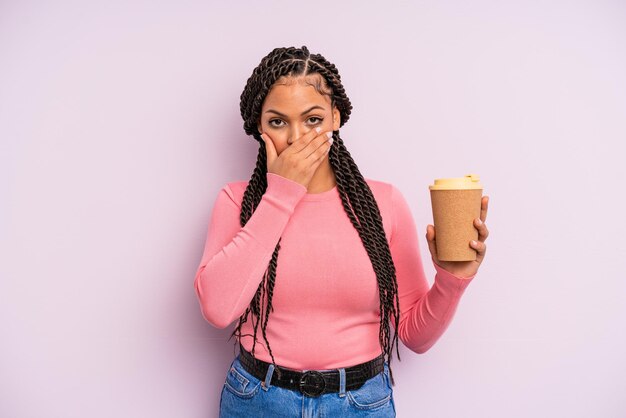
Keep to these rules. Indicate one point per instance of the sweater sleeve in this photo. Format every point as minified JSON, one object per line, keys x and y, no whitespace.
{"x":424,"y":313}
{"x":235,"y":258}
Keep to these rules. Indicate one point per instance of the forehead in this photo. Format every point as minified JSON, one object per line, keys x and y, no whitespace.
{"x":296,"y":91}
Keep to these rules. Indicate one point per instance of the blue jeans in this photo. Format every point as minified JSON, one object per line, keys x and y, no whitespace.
{"x":243,"y":395}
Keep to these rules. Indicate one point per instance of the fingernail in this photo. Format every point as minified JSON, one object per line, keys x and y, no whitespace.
{"x":473,"y":242}
{"x":318,"y":129}
{"x":329,"y":134}
{"x":330,"y":141}
{"x":479,"y":222}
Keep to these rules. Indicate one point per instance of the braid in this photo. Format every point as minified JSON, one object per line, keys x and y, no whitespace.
{"x":356,"y":196}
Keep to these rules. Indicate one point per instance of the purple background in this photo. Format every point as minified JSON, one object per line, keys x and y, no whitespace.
{"x":120,"y":122}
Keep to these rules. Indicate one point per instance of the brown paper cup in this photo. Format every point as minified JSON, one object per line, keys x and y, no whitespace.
{"x":456,"y":203}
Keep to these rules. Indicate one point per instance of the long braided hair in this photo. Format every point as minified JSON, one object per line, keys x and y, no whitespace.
{"x":356,"y":196}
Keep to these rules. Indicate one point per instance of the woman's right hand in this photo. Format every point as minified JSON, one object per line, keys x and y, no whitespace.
{"x":299,"y":160}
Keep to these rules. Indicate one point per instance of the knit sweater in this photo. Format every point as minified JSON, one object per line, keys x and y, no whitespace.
{"x":326,"y":308}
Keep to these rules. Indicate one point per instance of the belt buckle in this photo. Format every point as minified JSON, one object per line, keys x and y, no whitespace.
{"x":312,"y":383}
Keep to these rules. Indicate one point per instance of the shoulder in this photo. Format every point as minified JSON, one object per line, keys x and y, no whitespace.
{"x":386,"y":195}
{"x":383,"y":191}
{"x":235,"y":190}
{"x":389,"y":198}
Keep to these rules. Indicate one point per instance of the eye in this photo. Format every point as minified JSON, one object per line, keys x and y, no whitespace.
{"x":271,"y":123}
{"x":319,"y":120}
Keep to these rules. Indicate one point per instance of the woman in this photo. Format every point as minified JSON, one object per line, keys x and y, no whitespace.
{"x":334,"y":258}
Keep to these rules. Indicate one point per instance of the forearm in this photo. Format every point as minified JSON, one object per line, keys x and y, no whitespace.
{"x":422,"y":325}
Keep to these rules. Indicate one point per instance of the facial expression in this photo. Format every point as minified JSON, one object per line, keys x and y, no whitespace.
{"x":292,"y":108}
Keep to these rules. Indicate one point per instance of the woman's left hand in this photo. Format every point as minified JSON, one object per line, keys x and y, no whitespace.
{"x":464,"y":268}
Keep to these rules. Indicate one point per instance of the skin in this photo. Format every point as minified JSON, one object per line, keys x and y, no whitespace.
{"x":296,"y":151}
{"x":307,"y":160}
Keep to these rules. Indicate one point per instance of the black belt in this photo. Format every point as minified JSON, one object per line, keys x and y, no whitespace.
{"x":312,"y":383}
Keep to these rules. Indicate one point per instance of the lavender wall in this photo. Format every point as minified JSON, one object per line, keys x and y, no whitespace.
{"x":119,"y":123}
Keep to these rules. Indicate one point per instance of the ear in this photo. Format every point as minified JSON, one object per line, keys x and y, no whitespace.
{"x":336,"y":118}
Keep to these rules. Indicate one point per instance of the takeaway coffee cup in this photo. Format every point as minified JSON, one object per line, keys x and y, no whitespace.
{"x":456,"y":203}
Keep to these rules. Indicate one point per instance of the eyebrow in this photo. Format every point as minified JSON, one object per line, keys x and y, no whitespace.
{"x":302,"y":114}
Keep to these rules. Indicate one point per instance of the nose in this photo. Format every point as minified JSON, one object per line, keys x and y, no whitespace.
{"x":296,"y":132}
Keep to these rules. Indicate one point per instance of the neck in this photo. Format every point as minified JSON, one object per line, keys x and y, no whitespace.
{"x":323,"y":179}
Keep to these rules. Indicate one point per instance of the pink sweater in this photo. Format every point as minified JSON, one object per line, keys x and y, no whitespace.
{"x":326,"y":307}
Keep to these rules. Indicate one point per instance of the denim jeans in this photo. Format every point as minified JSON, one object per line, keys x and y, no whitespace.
{"x":243,"y":395}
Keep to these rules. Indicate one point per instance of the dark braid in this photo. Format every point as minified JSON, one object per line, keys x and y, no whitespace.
{"x":356,"y":196}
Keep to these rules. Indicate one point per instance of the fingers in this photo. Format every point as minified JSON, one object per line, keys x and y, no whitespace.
{"x":326,"y":145}
{"x":481,"y":249}
{"x":430,"y":239}
{"x":310,"y":142}
{"x":480,"y":246}
{"x":483,"y":232}
{"x":484,"y":204}
{"x":317,"y":149}
{"x":270,"y":150}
